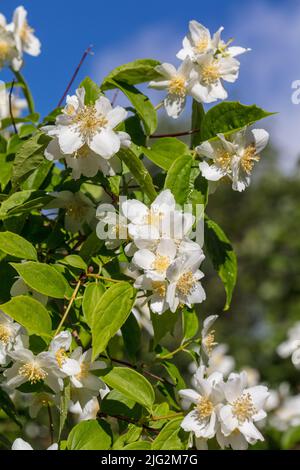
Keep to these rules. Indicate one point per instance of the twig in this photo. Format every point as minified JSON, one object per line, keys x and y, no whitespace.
{"x":175,"y":134}
{"x":26,"y":90}
{"x":68,"y":307}
{"x":10,"y":107}
{"x":113,"y":101}
{"x":85,"y":54}
{"x":98,"y":276}
{"x":128,"y":420}
{"x":171,"y":354}
{"x":51,"y":425}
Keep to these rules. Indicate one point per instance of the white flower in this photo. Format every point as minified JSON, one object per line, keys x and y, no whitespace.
{"x":287,"y":414}
{"x":158,"y":288}
{"x":219,"y":361}
{"x":30,"y":368}
{"x":116,"y":224}
{"x":199,"y":41}
{"x":12,"y":337}
{"x":90,"y":410}
{"x":41,"y":400}
{"x":80,"y":210}
{"x":142,"y":313}
{"x":18,"y":104}
{"x":234,"y":156}
{"x":85,"y":162}
{"x":244,"y":407}
{"x":184,"y":286}
{"x":20,"y":444}
{"x":291,"y":347}
{"x":19,"y":287}
{"x":156,"y":263}
{"x":211,"y":72}
{"x":8,"y":49}
{"x":81,"y":128}
{"x":207,"y":397}
{"x":63,"y":366}
{"x":207,"y":336}
{"x":179,"y":84}
{"x":84,"y":384}
{"x":24,"y":35}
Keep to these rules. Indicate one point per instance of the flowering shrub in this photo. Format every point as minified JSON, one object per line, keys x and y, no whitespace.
{"x":104,"y":227}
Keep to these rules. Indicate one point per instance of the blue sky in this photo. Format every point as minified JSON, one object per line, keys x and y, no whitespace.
{"x":123,"y":31}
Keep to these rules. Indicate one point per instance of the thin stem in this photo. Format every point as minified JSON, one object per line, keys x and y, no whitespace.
{"x":68,"y":307}
{"x":85,"y":54}
{"x":51,"y":425}
{"x":26,"y":91}
{"x":10,"y":107}
{"x":113,"y":101}
{"x":128,"y":420}
{"x":175,"y":134}
{"x":159,"y":105}
{"x":171,"y":354}
{"x":98,"y":276}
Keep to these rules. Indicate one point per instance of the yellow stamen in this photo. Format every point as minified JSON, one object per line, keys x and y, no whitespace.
{"x":89,"y":122}
{"x":177,"y":86}
{"x":153,"y":218}
{"x":249,"y":158}
{"x":243,"y":408}
{"x":209,"y":342}
{"x":161,"y":263}
{"x":223,"y":159}
{"x":186,"y":283}
{"x":202,"y":45}
{"x":5,"y":334}
{"x":76,"y":211}
{"x":210,"y":73}
{"x":84,"y":371}
{"x":33,"y":372}
{"x":204,"y":407}
{"x":159,"y":288}
{"x":4,"y":50}
{"x":61,"y":356}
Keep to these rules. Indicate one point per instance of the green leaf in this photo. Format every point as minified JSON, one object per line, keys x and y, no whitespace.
{"x":174,"y":374}
{"x":114,"y":184}
{"x":92,"y":294}
{"x":14,"y":245}
{"x":168,"y":438}
{"x":198,"y":116}
{"x":92,"y":90}
{"x":90,"y":435}
{"x":138,"y":71}
{"x":142,"y":105}
{"x":131,"y":436}
{"x":131,"y":333}
{"x":110,"y":314}
{"x":178,"y":178}
{"x":140,"y":445}
{"x":190,"y":324}
{"x":29,"y":313}
{"x":29,"y":155}
{"x":42,"y":278}
{"x":24,"y":201}
{"x":165,"y":151}
{"x":139,"y":172}
{"x":131,"y":384}
{"x":90,"y":247}
{"x":6,"y":164}
{"x":222,"y":256}
{"x":132,"y":125}
{"x":290,"y":438}
{"x":230,"y":116}
{"x":163,"y":324}
{"x":75,"y":261}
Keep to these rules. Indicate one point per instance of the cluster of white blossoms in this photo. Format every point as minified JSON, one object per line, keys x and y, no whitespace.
{"x":227,"y":410}
{"x":291,"y":347}
{"x":84,"y":136}
{"x":207,"y":61}
{"x":52,"y":367}
{"x":165,"y":261}
{"x":16,"y":38}
{"x":233,"y":156}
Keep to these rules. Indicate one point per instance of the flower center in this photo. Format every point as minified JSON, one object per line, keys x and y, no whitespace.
{"x":26,"y":30}
{"x":210,"y":73}
{"x":161,"y":263}
{"x":33,"y":372}
{"x":204,"y":407}
{"x":186,"y":283}
{"x":223,"y":159}
{"x":209,"y":342}
{"x":5,"y":334}
{"x":89,"y":122}
{"x":84,"y":371}
{"x":76,"y":211}
{"x":243,"y":408}
{"x":159,"y":288}
{"x":4,"y":50}
{"x":202,"y":45}
{"x":153,"y":218}
{"x":83,"y":152}
{"x":61,"y":356}
{"x":177,"y":86}
{"x":249,"y":158}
